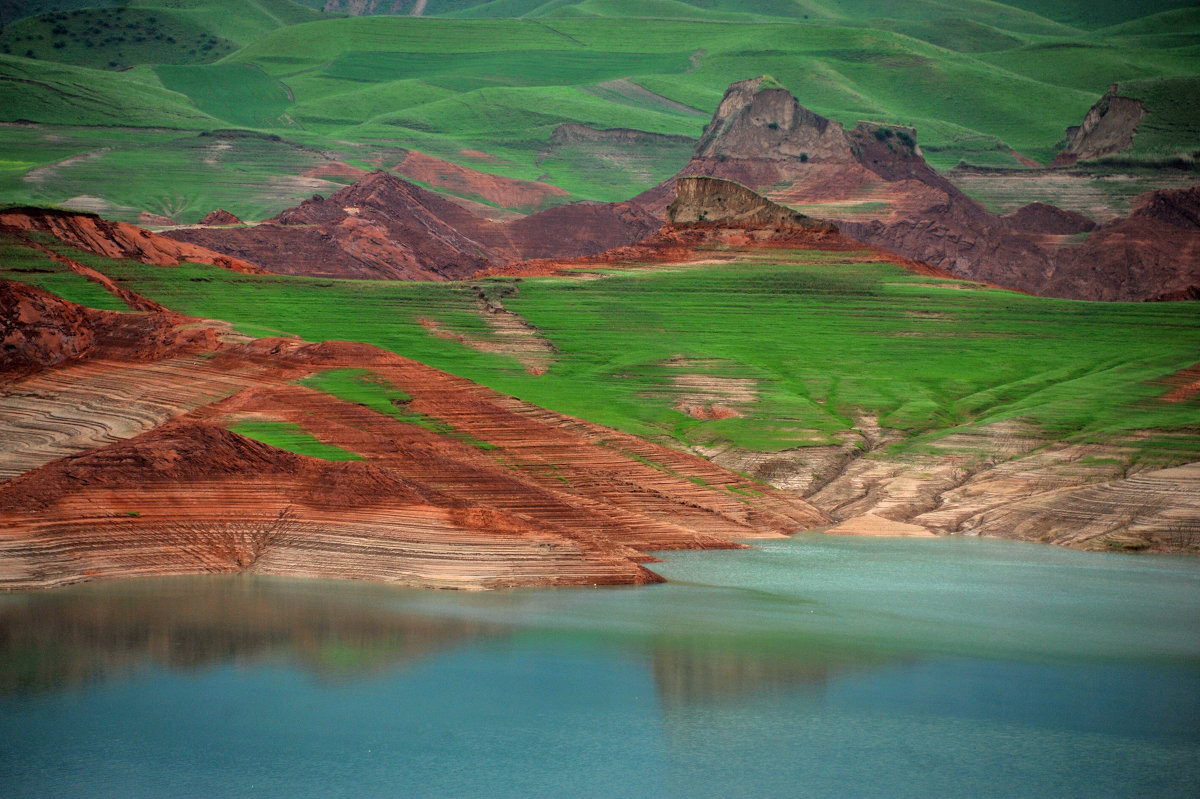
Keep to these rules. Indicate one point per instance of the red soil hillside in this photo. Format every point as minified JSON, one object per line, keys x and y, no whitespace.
{"x":1154,"y":253}
{"x":385,"y":227}
{"x":115,"y":239}
{"x":220,"y":217}
{"x":526,"y":195}
{"x":462,"y":488}
{"x":1043,"y":218}
{"x":712,"y":217}
{"x":39,"y":329}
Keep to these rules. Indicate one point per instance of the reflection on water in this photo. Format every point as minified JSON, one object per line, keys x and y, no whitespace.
{"x":816,"y":667}
{"x":103,"y":631}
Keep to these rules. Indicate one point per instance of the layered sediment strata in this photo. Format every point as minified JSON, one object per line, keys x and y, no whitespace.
{"x":126,"y":467}
{"x":1157,"y":510}
{"x":116,"y":239}
{"x":192,"y":498}
{"x":1004,"y":480}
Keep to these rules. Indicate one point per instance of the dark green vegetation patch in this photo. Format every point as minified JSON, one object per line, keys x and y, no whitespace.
{"x":113,"y":38}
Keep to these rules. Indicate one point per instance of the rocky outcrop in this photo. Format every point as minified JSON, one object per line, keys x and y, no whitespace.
{"x":1108,"y":128}
{"x":384,"y":227}
{"x":701,"y":199}
{"x":873,"y":183}
{"x":115,"y":239}
{"x":220,"y":217}
{"x":38,"y":329}
{"x":760,"y":120}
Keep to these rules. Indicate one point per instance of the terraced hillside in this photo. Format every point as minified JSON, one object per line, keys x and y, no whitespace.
{"x":512,"y":89}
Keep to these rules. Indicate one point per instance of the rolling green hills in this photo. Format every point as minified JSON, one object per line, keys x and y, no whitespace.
{"x":978,"y":80}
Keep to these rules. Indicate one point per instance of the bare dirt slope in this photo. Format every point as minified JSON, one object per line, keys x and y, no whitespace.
{"x":115,"y":239}
{"x":461,"y":487}
{"x":384,"y":227}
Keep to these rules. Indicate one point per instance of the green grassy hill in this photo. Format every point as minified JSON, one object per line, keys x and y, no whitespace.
{"x":806,"y":342}
{"x":113,"y":38}
{"x":977,"y":79}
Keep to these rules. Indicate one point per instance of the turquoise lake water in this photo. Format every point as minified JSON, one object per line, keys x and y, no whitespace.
{"x":816,"y":666}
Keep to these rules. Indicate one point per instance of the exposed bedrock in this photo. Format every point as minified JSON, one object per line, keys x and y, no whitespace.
{"x":874,"y":184}
{"x":1003,"y":480}
{"x":119,"y":467}
{"x":1108,"y":128}
{"x":704,"y":199}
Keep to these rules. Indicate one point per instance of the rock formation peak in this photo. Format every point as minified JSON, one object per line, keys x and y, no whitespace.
{"x":1107,"y":129}
{"x":760,"y":119}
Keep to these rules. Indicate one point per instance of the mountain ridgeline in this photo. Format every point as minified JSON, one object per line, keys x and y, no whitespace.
{"x":871,"y":182}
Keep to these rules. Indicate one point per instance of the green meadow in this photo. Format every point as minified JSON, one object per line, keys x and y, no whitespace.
{"x":23,"y":264}
{"x":818,"y":339}
{"x":293,"y":438}
{"x":977,"y":79}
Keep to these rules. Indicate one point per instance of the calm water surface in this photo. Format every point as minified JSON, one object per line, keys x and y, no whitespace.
{"x":809,"y":667}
